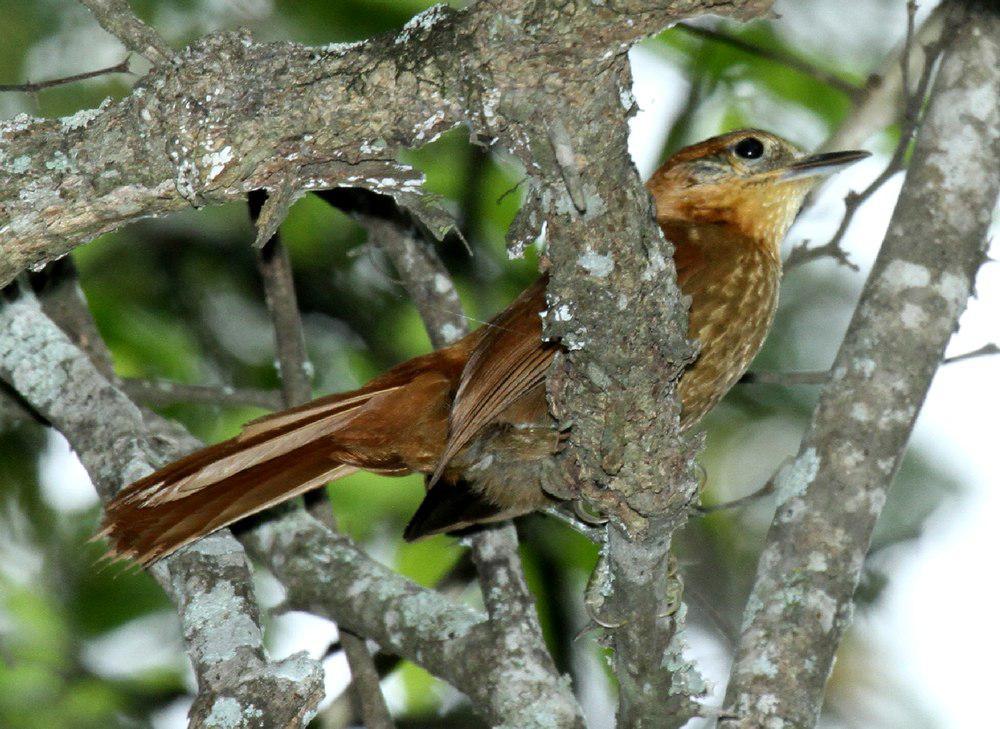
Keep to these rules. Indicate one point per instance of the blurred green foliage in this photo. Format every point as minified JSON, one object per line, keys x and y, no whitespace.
{"x":179,"y":298}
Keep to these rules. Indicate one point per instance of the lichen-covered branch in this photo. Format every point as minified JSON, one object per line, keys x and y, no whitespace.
{"x":614,"y":303}
{"x":638,"y":600}
{"x":526,"y":678}
{"x":833,"y":493}
{"x":325,"y":574}
{"x":116,"y":17}
{"x":209,"y":582}
{"x":231,"y":115}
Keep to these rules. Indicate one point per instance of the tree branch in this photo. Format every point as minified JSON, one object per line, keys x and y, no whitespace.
{"x":424,"y":278}
{"x":165,"y":392}
{"x":325,"y":574}
{"x":614,"y":304}
{"x":526,"y":677}
{"x":987,"y":349}
{"x":209,"y":582}
{"x":233,"y":115}
{"x":295,"y":371}
{"x":116,"y":17}
{"x":275,"y":268}
{"x":815,"y":548}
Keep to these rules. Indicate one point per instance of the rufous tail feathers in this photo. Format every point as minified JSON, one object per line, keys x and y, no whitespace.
{"x":222,"y":483}
{"x":395,"y":424}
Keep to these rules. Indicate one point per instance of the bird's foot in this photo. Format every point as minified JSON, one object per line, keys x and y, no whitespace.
{"x":595,"y":598}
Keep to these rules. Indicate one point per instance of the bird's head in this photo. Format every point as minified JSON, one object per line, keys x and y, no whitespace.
{"x":749,"y":180}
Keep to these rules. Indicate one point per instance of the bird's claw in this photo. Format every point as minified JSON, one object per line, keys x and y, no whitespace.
{"x":588,"y":517}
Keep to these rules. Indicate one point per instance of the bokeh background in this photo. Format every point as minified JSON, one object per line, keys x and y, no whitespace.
{"x":180,"y":299}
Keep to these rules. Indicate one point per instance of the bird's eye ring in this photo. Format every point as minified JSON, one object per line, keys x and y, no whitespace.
{"x":749,"y":148}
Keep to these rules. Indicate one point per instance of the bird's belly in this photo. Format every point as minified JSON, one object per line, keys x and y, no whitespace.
{"x":511,"y":462}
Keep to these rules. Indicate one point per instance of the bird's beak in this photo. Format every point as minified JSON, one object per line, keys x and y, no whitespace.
{"x":818,"y":165}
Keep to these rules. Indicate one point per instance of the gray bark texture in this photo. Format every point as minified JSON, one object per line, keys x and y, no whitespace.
{"x":834,"y":491}
{"x":210,"y":582}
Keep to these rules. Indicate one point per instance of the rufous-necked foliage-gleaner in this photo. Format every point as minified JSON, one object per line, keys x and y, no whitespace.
{"x":473,"y":416}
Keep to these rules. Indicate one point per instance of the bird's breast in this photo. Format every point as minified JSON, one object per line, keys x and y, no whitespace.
{"x":733,"y":299}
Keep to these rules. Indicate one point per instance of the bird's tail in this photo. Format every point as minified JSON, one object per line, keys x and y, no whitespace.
{"x":272,"y":460}
{"x":395,"y":424}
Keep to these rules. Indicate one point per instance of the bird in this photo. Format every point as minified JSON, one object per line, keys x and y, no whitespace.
{"x":473,"y":416}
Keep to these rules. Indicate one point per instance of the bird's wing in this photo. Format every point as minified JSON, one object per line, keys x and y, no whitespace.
{"x":509,"y":361}
{"x":448,"y":362}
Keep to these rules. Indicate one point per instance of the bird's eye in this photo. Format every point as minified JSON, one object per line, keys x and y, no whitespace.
{"x":749,"y":148}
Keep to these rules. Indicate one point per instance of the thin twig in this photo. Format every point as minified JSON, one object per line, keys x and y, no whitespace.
{"x":851,"y":90}
{"x":31,"y":87}
{"x":296,"y":387}
{"x":764,"y":377}
{"x":279,"y":289}
{"x":986,"y":349}
{"x":802,"y":253}
{"x":911,"y":120}
{"x":765,"y":490}
{"x":819,"y":377}
{"x":165,"y":392}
